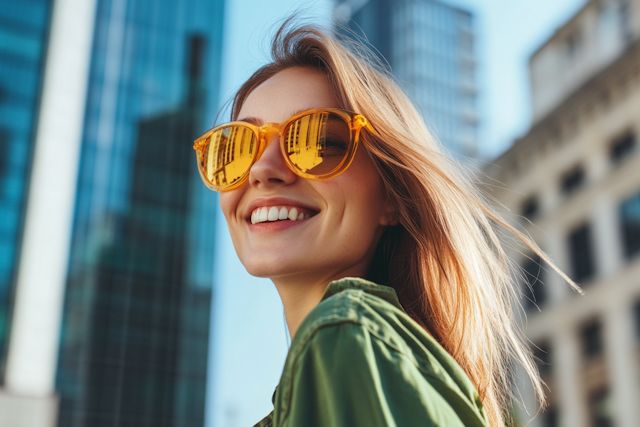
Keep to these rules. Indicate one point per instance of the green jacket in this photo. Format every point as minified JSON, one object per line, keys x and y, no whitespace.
{"x":359,"y":360}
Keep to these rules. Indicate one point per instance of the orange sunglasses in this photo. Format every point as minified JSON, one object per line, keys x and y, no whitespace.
{"x":317,"y":144}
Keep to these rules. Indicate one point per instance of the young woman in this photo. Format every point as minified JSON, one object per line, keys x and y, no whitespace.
{"x":396,"y":290}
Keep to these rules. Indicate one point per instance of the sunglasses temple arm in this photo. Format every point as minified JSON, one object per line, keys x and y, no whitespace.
{"x":371,"y":129}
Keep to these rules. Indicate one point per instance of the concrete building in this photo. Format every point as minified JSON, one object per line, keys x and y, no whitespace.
{"x":106,"y":267}
{"x":575,"y":176}
{"x":430,"y":48}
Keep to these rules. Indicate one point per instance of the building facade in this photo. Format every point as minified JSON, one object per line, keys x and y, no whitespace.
{"x":112,"y":293}
{"x":572,"y":183}
{"x":24,"y":27}
{"x":430,"y":48}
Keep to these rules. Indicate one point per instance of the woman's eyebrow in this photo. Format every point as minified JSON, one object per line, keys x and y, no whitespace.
{"x":258,"y":122}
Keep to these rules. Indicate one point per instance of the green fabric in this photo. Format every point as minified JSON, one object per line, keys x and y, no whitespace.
{"x":359,"y":360}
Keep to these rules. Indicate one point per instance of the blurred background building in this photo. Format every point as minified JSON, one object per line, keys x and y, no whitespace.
{"x":106,"y":235}
{"x":430,"y":48}
{"x":22,"y":51}
{"x":574,"y":180}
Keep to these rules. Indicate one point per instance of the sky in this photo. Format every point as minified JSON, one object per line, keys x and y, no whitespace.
{"x":248,"y":335}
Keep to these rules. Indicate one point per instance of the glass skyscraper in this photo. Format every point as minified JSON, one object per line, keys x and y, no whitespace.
{"x":135,"y":332}
{"x":429,"y":46}
{"x":134,"y":335}
{"x":23,"y":33}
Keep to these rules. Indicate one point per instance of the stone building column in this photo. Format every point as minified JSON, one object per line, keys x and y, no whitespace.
{"x":607,"y":245}
{"x":567,"y":367}
{"x":623,"y":373}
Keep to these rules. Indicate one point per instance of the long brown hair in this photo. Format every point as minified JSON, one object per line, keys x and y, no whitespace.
{"x":444,"y":258}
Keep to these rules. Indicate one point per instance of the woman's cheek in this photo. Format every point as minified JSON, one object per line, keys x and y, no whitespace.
{"x":229,"y":203}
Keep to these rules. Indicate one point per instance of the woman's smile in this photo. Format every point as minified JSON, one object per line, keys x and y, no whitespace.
{"x":277,"y":214}
{"x":275,"y":209}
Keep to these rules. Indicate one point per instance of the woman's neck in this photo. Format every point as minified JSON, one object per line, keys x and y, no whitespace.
{"x":298,"y":300}
{"x":301,"y":293}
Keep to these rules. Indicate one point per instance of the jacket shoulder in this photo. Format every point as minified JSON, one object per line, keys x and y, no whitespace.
{"x":349,"y":306}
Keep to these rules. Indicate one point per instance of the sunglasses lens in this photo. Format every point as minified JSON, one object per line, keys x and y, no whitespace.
{"x":228,"y":156}
{"x":318,"y":144}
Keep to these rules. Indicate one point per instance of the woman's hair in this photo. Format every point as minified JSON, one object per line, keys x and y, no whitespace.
{"x":444,"y":258}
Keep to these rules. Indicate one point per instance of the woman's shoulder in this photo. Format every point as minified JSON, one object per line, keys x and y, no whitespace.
{"x":359,"y":333}
{"x":353,"y":300}
{"x":364,"y":307}
{"x":366,"y":311}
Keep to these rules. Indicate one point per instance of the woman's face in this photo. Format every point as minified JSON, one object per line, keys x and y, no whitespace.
{"x":344,"y":215}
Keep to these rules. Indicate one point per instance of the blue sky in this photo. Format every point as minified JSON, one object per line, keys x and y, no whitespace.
{"x":248,"y":341}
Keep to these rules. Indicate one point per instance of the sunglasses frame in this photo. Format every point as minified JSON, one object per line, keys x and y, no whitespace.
{"x":355,"y":122}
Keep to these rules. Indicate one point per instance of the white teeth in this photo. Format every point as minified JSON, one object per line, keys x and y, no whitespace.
{"x":293,"y":214}
{"x":283,"y":213}
{"x":273,"y":213}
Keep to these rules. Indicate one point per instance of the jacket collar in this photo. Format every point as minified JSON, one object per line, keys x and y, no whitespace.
{"x":387,"y":293}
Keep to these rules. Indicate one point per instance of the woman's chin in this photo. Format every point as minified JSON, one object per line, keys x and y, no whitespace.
{"x":268,"y":270}
{"x":279,"y":268}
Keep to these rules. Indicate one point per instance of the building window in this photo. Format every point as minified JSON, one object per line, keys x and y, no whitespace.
{"x":623,"y":147}
{"x":533,"y":288}
{"x":636,"y":318}
{"x":572,"y":180}
{"x":550,"y":418}
{"x":542,"y":355}
{"x":591,"y":336}
{"x":600,"y":409}
{"x":573,"y":45}
{"x":625,"y":25}
{"x":581,"y":253}
{"x":530,"y":208}
{"x":630,"y":224}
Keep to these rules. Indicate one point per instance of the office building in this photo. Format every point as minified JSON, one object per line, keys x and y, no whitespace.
{"x":24,"y":27}
{"x":111,"y":297}
{"x":430,"y":48}
{"x":574,"y":175}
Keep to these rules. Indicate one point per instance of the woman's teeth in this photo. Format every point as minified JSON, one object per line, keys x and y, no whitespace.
{"x":274,"y":213}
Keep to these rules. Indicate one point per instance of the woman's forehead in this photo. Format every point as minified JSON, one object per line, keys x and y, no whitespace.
{"x":287,"y":92}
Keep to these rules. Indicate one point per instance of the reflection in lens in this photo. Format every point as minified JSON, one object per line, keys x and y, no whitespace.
{"x":228,"y":155}
{"x":317,"y":143}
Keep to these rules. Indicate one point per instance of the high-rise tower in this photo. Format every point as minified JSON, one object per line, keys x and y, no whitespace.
{"x":430,"y":48}
{"x":24,"y":28}
{"x":110,"y":319}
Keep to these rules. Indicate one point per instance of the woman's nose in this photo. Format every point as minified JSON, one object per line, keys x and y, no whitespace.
{"x":270,"y":169}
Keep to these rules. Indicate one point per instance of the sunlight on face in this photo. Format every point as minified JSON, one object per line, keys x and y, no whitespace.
{"x":316,"y":230}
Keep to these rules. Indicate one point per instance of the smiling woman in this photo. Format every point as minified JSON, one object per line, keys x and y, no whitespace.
{"x":396,"y":290}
